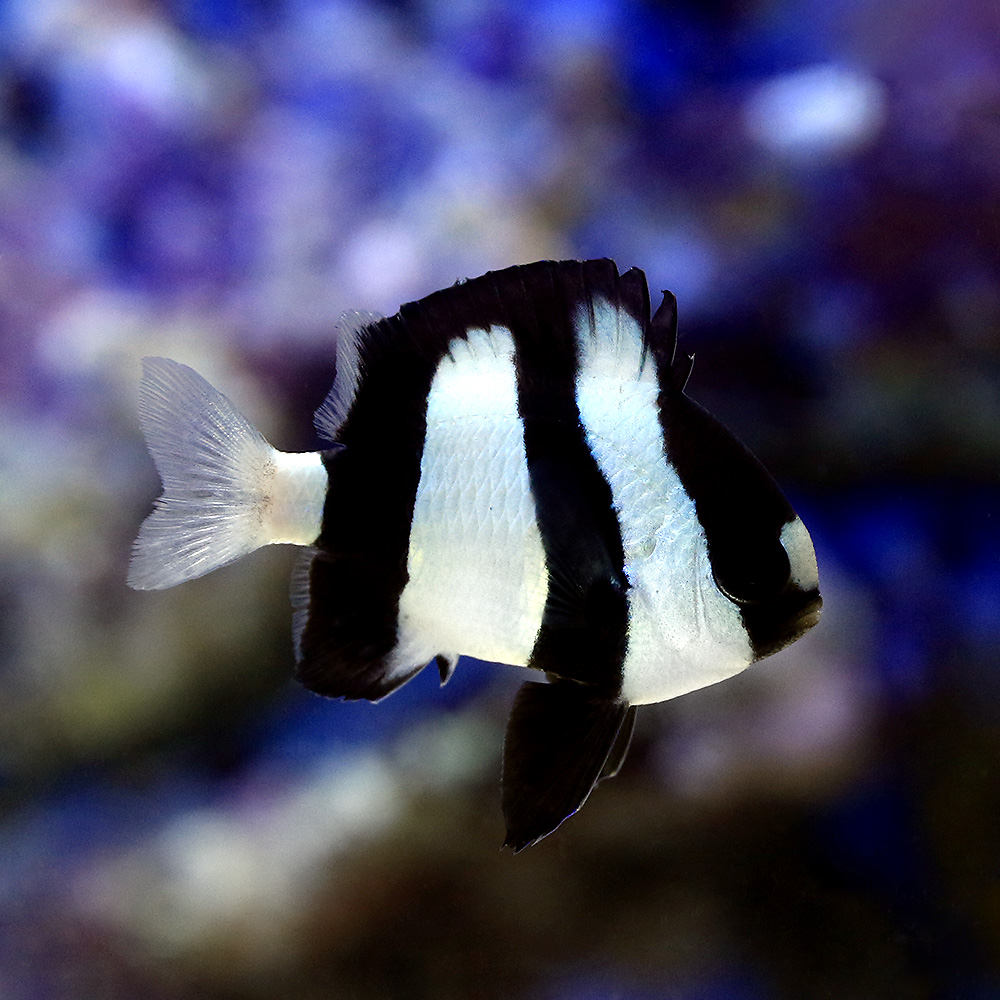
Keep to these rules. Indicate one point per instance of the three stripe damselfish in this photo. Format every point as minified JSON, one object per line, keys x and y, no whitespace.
{"x":516,"y":474}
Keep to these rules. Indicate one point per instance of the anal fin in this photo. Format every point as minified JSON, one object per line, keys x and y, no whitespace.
{"x":620,"y":748}
{"x":345,"y":646}
{"x":559,"y":738}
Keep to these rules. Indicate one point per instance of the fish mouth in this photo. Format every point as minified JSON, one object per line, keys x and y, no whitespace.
{"x":776,"y":625}
{"x":809,"y":615}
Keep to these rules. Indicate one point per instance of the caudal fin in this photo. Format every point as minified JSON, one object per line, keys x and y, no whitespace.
{"x":216,"y":470}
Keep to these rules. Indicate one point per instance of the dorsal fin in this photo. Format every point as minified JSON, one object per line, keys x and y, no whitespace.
{"x":489,"y":300}
{"x":351,"y":331}
{"x":612,"y":325}
{"x":681,"y":370}
{"x":663,"y":341}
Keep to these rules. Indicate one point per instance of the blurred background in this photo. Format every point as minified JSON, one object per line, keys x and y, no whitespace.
{"x":217,"y":181}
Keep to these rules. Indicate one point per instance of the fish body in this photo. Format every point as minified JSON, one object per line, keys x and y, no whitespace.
{"x":517,"y":474}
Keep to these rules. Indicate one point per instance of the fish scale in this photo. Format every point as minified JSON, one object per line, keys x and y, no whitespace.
{"x":475,"y":558}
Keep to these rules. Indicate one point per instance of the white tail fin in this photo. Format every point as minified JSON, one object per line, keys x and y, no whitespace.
{"x":217,"y":472}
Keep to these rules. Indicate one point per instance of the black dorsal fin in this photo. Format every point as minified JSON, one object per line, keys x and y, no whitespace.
{"x":663,"y":339}
{"x":663,"y":327}
{"x":559,"y":738}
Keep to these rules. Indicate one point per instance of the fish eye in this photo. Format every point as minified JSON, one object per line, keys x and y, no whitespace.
{"x":754,"y":572}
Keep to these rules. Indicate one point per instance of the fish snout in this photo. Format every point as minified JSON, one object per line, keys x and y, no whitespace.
{"x":810,"y":614}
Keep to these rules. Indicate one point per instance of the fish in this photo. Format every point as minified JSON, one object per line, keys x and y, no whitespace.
{"x":514,"y":472}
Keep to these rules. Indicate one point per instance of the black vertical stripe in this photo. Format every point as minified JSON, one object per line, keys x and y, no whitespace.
{"x":359,"y":573}
{"x":740,"y":507}
{"x":584,"y":624}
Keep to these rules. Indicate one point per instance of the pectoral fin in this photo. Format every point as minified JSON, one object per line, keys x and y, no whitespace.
{"x":559,"y":738}
{"x":619,"y":750}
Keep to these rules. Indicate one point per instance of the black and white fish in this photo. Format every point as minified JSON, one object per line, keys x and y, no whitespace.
{"x":515,"y":474}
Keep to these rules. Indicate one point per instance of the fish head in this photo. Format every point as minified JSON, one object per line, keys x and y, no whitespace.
{"x":781,"y":601}
{"x":761,"y":555}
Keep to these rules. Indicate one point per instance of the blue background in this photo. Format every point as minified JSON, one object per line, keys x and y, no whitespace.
{"x":217,"y":182}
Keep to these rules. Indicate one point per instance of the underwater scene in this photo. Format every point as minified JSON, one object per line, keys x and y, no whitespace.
{"x":218,"y":182}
